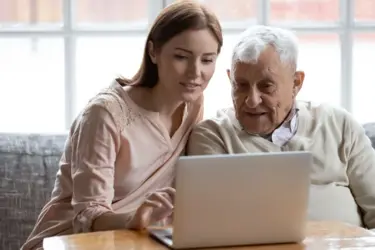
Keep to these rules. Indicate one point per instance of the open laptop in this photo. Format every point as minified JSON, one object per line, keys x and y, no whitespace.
{"x":239,"y":199}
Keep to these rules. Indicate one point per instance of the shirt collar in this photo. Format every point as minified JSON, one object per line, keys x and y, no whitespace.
{"x":291,"y":119}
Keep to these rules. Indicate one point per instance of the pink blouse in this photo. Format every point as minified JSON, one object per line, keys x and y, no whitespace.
{"x":115,"y":154}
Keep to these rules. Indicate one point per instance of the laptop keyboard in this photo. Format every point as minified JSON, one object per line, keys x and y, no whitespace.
{"x":168,"y":232}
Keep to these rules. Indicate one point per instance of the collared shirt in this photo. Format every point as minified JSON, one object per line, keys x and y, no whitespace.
{"x":284,"y":132}
{"x":287,"y":129}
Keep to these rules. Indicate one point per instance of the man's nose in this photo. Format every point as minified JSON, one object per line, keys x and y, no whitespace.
{"x":253,"y":99}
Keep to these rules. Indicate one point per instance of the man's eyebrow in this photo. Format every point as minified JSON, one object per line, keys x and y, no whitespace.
{"x":240,"y":79}
{"x":190,"y":52}
{"x":266,"y":79}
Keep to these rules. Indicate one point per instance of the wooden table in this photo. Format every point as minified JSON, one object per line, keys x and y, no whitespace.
{"x":320,"y":235}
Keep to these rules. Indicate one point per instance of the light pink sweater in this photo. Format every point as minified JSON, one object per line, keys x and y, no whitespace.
{"x":115,"y":154}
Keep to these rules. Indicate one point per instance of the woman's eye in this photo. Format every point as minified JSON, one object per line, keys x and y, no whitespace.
{"x":207,"y":60}
{"x":180,"y":57}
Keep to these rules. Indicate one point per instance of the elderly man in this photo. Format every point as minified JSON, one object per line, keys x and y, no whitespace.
{"x":267,"y":118}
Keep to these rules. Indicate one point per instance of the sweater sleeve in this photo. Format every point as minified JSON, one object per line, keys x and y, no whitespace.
{"x":95,"y":142}
{"x":205,"y":140}
{"x":361,"y":170}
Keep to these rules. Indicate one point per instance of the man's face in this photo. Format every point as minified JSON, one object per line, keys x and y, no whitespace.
{"x":263,"y":92}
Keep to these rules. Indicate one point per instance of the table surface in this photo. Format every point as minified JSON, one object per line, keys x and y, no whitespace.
{"x":320,"y":235}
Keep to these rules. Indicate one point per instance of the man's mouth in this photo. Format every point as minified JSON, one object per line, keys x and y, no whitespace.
{"x":256,"y":114}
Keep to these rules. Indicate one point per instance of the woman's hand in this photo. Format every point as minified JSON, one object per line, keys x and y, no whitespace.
{"x":157,"y":206}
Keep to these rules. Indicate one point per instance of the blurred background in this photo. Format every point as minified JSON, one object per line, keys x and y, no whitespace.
{"x":56,"y":54}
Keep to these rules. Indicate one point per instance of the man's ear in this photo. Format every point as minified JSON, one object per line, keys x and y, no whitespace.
{"x":151,"y":51}
{"x":299,"y":77}
{"x":228,"y":74}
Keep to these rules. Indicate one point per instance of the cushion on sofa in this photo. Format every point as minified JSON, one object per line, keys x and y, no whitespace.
{"x":28,"y":166}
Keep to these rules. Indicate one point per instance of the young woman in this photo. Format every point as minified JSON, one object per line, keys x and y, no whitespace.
{"x":117,"y":168}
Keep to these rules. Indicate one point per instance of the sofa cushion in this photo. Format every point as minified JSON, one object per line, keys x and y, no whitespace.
{"x":28,"y":166}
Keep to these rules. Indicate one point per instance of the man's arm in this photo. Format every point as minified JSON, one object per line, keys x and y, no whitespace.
{"x":361,"y":171}
{"x":205,"y":140}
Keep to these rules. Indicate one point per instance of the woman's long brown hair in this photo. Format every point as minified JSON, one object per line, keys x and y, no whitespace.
{"x":174,"y":19}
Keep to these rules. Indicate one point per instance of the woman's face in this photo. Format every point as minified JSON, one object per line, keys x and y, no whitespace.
{"x":186,"y":63}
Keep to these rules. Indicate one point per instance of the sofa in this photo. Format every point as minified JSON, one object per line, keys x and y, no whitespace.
{"x":28,"y":166}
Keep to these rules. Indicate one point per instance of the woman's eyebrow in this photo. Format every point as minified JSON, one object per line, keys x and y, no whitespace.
{"x":191,"y":52}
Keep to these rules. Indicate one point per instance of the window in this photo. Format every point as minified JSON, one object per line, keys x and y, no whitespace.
{"x":244,"y":11}
{"x":304,"y":11}
{"x":320,"y":60}
{"x":363,"y":88}
{"x":364,"y":10}
{"x":109,"y":57}
{"x":56,"y":54}
{"x":111,"y":13}
{"x":30,"y":14}
{"x":32,"y":84}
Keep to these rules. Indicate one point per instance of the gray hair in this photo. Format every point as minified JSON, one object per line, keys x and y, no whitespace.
{"x":254,"y":40}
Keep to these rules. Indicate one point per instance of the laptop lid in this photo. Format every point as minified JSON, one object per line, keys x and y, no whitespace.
{"x":241,"y":199}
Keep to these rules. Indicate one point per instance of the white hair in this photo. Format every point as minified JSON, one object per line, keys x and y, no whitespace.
{"x":254,"y":40}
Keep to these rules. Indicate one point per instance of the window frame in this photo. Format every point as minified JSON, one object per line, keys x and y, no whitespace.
{"x":346,"y":27}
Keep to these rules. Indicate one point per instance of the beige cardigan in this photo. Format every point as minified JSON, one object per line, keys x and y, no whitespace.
{"x":343,"y":174}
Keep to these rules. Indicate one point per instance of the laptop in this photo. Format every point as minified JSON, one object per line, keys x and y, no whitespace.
{"x":239,"y":199}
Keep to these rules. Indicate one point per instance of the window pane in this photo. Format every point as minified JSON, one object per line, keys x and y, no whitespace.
{"x":363,"y":77}
{"x":114,"y":57}
{"x":32,"y":85}
{"x":218,"y":93}
{"x":112,"y":12}
{"x":14,"y":13}
{"x":229,"y":10}
{"x":307,"y":11}
{"x":364,"y":10}
{"x":320,"y":59}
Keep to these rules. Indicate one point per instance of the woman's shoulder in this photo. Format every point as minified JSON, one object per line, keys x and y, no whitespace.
{"x":110,"y":101}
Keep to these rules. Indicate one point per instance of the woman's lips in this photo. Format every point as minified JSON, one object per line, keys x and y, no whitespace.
{"x":190,"y":85}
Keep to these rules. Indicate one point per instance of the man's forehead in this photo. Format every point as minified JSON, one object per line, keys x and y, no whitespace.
{"x":250,"y":69}
{"x":260,"y":68}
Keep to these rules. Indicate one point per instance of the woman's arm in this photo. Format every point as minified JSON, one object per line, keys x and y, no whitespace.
{"x":112,"y":221}
{"x":95,"y":143}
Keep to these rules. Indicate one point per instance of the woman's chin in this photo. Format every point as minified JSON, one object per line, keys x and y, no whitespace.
{"x":190,"y":97}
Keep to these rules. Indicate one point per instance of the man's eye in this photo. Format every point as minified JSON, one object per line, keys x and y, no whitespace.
{"x":241,"y":86}
{"x":266,"y":87}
